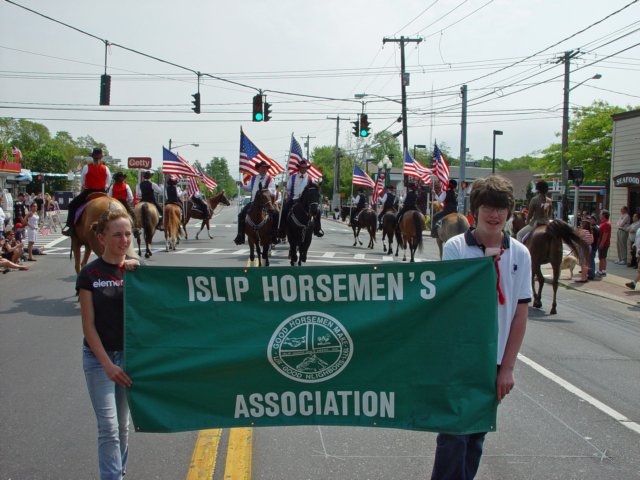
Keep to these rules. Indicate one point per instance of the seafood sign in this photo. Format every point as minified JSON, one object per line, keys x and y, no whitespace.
{"x":396,"y":346}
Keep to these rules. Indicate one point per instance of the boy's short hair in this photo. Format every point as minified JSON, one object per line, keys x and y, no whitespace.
{"x":492,"y":191}
{"x":605,"y":214}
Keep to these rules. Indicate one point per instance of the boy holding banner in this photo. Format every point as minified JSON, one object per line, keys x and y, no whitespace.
{"x":492,"y":202}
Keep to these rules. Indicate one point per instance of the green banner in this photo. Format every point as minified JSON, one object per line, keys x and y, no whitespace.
{"x":409,"y":346}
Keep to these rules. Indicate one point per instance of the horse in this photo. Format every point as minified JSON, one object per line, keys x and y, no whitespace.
{"x":172,"y":224}
{"x":452,"y":225}
{"x":83,"y":233}
{"x":301,"y":223}
{"x":258,"y":225}
{"x":367,"y":219}
{"x":146,"y":219}
{"x":518,"y":220}
{"x":192,"y":212}
{"x":545,"y":246}
{"x":409,"y":232}
{"x":388,"y":230}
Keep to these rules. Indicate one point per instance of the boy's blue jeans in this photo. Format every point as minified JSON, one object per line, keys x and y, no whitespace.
{"x":109,"y":402}
{"x":457,"y":456}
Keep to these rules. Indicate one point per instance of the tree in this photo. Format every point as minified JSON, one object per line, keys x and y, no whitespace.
{"x":218,"y":169}
{"x":589,"y":142}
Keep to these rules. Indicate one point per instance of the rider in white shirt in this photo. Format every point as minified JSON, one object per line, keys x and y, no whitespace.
{"x":262,"y":180}
{"x":295,"y":186}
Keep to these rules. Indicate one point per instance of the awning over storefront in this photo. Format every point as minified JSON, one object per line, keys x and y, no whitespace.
{"x":9,"y":167}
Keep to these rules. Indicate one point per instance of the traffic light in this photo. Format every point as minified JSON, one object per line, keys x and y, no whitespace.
{"x":105,"y":89}
{"x":257,"y":108}
{"x":576,"y":175}
{"x":196,"y":102}
{"x":356,"y":128}
{"x":364,"y":125}
{"x":267,"y":111}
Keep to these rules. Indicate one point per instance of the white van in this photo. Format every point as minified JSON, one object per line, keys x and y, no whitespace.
{"x":7,"y":204}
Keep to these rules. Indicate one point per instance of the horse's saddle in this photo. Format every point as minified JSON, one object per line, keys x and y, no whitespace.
{"x":82,"y":207}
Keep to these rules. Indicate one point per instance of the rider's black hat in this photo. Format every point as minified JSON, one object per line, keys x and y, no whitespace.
{"x":260,"y":164}
{"x":96,"y":151}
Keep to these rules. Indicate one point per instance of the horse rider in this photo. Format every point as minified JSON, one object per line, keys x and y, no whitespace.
{"x":174,"y":193}
{"x":540,"y":210}
{"x":389,"y":201}
{"x":450,"y":201}
{"x":295,"y":186}
{"x":95,"y":177}
{"x":423,"y":199}
{"x":196,"y":198}
{"x":360,"y":202}
{"x":122,"y":192}
{"x":147,"y":190}
{"x":410,"y":201}
{"x":262,"y":179}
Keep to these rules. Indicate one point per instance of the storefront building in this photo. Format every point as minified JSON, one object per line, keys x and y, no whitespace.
{"x":625,"y":169}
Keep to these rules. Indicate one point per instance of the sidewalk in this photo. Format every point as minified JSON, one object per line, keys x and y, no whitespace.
{"x":612,"y":286}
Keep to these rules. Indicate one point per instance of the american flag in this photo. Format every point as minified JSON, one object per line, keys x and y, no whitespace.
{"x":361,"y":179}
{"x":378,"y":190}
{"x":15,"y":151}
{"x":295,"y":157}
{"x":413,"y":168}
{"x":250,"y":155}
{"x":440,"y":166}
{"x":209,"y":182}
{"x":174,"y":164}
{"x":192,"y":186}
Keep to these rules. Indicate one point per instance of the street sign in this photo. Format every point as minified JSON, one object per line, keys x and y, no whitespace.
{"x":139,"y":162}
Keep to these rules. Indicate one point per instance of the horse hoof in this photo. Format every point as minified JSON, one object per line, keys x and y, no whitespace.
{"x":553,"y":311}
{"x":147,"y":255}
{"x":537,"y":304}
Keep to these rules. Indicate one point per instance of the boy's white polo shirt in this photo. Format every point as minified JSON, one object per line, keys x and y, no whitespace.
{"x":515,"y":276}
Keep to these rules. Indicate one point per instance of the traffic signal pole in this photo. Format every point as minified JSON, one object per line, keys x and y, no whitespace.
{"x":404,"y":81}
{"x":335,"y":200}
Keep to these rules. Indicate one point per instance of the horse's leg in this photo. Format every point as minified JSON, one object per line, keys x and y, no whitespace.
{"x":75,"y":246}
{"x":537,"y":289}
{"x":556,"y":277}
{"x":87,"y":254}
{"x":208,"y":231}
{"x":184,"y":226}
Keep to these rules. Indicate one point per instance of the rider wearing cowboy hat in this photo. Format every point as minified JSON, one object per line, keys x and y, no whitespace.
{"x":360,"y":202}
{"x":409,"y":202}
{"x":388,"y":203}
{"x":295,"y":186}
{"x":262,"y":180}
{"x":450,"y":200}
{"x":146,"y":190}
{"x":95,"y":177}
{"x":122,"y":192}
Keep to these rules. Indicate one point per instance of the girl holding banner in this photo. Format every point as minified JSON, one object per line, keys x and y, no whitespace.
{"x":101,"y":292}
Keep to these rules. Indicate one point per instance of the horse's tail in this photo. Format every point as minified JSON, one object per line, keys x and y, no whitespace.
{"x":569,"y":236}
{"x":417,"y":220}
{"x":146,"y":220}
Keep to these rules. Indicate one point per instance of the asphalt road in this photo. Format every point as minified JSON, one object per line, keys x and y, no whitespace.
{"x":578,"y":419}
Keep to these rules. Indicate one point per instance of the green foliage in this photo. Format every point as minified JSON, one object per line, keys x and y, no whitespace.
{"x":324,"y":158}
{"x":218,"y":169}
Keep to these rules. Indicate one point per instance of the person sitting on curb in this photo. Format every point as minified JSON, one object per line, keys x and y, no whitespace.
{"x":95,"y":177}
{"x":633,"y":283}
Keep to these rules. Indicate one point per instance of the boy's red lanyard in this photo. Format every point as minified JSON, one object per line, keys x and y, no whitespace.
{"x":501,"y":298}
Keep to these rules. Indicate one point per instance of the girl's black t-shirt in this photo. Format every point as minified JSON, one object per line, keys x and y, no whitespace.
{"x":105,"y":282}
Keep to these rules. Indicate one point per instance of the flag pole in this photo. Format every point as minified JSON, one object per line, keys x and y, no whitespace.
{"x":288,"y":176}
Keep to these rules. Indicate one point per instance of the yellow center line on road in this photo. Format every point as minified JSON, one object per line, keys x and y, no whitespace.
{"x":239,"y":454}
{"x":205,"y":451}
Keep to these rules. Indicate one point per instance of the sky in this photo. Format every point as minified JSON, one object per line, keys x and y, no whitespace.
{"x":310,"y":59}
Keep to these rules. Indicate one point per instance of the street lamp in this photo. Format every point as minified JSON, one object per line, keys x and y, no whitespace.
{"x":384,"y":165}
{"x":417,"y":146}
{"x":564,"y":210}
{"x":493,"y":158}
{"x":183,"y":145}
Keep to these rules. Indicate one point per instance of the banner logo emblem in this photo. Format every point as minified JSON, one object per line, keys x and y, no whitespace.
{"x":310,"y":347}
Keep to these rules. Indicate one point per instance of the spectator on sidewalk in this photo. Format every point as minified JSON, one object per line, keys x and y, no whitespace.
{"x":594,"y":246}
{"x":19,"y":210}
{"x":32,"y":229}
{"x":39,"y":201}
{"x":6,"y":265}
{"x":11,"y":248}
{"x":604,"y":242}
{"x":631,"y":239}
{"x":632,"y":284}
{"x":2,"y":218}
{"x":622,"y":235}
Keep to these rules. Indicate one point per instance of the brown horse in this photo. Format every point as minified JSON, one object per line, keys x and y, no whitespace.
{"x":146,"y":220}
{"x":84,"y":233}
{"x":192,"y":212}
{"x":452,"y":225}
{"x":388,"y":230}
{"x":410,"y":233}
{"x":258,"y":226}
{"x":171,"y":219}
{"x":518,"y":220}
{"x":545,"y":246}
{"x":367,"y":219}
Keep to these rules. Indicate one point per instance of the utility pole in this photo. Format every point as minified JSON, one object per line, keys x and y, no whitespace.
{"x":564,"y":169}
{"x":463,"y":149}
{"x":404,"y":81}
{"x":335,"y":201}
{"x":306,"y":144}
